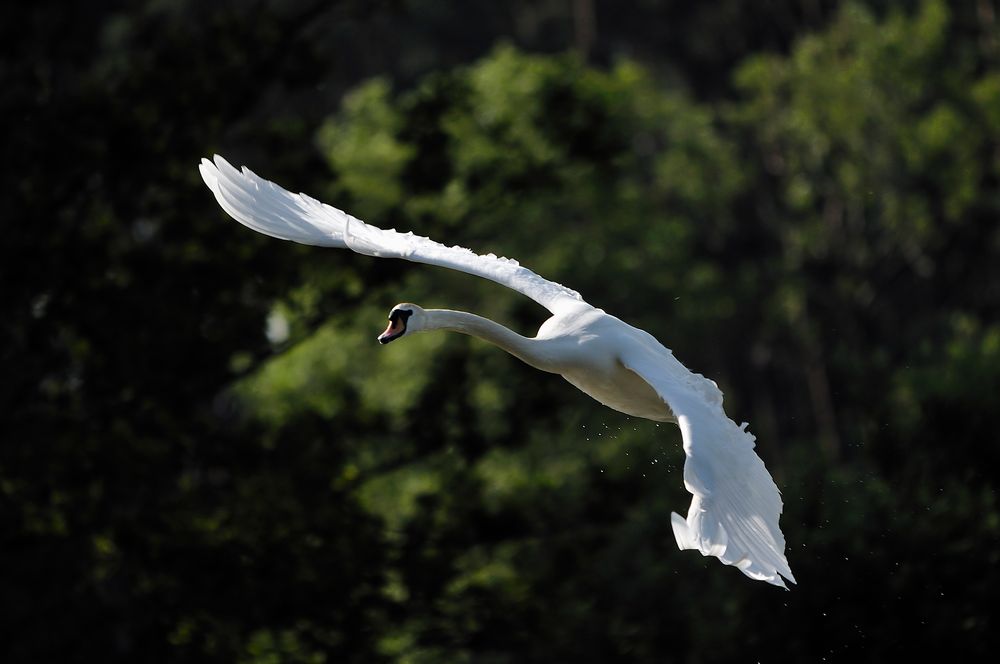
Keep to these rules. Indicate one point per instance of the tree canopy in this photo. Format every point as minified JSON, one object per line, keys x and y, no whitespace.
{"x":205,"y":456}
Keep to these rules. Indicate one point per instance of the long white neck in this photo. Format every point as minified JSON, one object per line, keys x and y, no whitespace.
{"x":530,"y":351}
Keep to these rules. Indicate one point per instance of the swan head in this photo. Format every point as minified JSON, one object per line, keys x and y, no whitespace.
{"x":404,"y":319}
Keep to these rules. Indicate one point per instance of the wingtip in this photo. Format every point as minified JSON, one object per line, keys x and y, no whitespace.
{"x":209,"y":173}
{"x":225,"y":167}
{"x":787,"y":573}
{"x":687,"y":540}
{"x":212,"y":168}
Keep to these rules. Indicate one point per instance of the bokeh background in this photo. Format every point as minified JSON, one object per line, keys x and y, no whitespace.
{"x":205,"y":456}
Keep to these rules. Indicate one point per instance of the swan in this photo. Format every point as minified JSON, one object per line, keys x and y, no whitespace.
{"x":736,"y":506}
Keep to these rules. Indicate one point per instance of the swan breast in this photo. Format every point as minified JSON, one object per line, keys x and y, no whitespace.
{"x":589,"y":348}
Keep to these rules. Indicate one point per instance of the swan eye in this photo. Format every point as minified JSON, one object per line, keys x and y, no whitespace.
{"x":401,"y":313}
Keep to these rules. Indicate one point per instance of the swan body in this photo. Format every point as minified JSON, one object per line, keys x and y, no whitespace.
{"x":735,"y":507}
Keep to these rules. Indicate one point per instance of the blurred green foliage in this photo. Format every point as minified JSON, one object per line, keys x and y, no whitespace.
{"x":205,"y":456}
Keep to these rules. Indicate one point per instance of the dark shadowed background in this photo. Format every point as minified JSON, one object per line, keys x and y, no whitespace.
{"x":205,"y":456}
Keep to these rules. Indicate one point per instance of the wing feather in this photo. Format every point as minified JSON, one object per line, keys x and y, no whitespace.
{"x":269,"y":209}
{"x":736,"y":506}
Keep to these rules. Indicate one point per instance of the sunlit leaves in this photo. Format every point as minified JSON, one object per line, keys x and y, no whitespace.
{"x":364,"y":149}
{"x":340,"y":368}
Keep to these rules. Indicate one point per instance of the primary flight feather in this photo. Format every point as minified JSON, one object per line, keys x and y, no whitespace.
{"x":735,"y":507}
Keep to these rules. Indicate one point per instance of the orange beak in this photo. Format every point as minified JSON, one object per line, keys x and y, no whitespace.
{"x":394,"y":329}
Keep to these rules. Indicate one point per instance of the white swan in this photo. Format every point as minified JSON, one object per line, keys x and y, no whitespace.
{"x":736,"y":506}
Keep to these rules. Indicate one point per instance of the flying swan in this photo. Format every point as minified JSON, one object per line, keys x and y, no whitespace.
{"x":736,"y":506}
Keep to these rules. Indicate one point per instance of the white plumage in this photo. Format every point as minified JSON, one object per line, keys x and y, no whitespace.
{"x":736,"y":506}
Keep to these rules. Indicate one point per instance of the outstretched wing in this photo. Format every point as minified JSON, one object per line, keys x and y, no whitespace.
{"x":269,"y":209}
{"x":736,"y":506}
